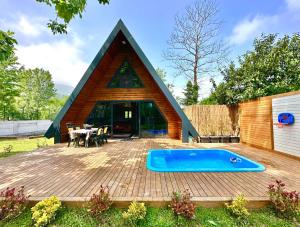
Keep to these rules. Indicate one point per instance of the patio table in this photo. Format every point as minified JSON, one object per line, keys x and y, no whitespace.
{"x":87,"y":132}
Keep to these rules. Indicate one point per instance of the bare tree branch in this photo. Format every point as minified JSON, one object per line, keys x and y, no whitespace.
{"x":193,"y":47}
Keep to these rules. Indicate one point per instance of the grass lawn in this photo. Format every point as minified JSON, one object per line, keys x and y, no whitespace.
{"x":156,"y":217}
{"x":22,"y":145}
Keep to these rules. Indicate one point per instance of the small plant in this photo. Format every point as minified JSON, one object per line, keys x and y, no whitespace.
{"x":45,"y":211}
{"x":181,"y":204}
{"x":238,"y":207}
{"x":99,"y":202}
{"x":8,"y":149}
{"x":12,"y":203}
{"x":136,"y":211}
{"x":285,"y":203}
{"x":41,"y":144}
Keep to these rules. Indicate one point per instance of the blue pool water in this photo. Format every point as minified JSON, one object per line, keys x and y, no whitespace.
{"x":200,"y":160}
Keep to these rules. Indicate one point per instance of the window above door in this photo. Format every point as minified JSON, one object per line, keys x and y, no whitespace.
{"x":125,"y":77}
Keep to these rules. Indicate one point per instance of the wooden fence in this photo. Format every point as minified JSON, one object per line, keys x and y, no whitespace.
{"x":252,"y":120}
{"x":214,"y":119}
{"x":256,"y":124}
{"x":256,"y":121}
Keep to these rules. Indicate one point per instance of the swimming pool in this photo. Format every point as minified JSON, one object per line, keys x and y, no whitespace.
{"x":200,"y":160}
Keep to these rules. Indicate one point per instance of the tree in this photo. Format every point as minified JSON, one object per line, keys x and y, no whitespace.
{"x":193,"y":47}
{"x":163,"y":76}
{"x":190,"y":94}
{"x":37,"y":91}
{"x":9,"y":78}
{"x":9,"y":86}
{"x":7,"y":45}
{"x":273,"y":67}
{"x":53,"y":107}
{"x":66,"y":10}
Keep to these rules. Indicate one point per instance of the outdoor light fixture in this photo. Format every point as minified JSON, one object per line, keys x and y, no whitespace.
{"x":123,"y":42}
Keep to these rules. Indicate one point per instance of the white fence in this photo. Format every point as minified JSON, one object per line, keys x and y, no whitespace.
{"x":18,"y":128}
{"x":287,"y":139}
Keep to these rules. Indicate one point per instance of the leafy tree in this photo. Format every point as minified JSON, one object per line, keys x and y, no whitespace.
{"x":53,"y":107}
{"x":163,"y":75}
{"x":7,"y":45}
{"x":24,"y":94}
{"x":208,"y":101}
{"x":9,"y":78}
{"x":37,"y":91}
{"x":9,"y":86}
{"x":66,"y":10}
{"x":273,"y":67}
{"x":190,"y":94}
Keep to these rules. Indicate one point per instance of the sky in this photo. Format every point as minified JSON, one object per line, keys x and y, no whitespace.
{"x":150,"y":22}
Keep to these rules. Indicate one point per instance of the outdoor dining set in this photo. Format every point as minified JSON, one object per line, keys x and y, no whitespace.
{"x":88,"y":135}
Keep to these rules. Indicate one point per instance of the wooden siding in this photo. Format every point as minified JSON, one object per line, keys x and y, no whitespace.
{"x":96,"y":89}
{"x":213,"y":119}
{"x":256,"y":122}
{"x":287,"y":139}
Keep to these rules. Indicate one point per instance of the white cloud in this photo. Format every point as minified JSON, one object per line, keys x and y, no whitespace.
{"x":286,"y":21}
{"x":38,"y":47}
{"x":62,"y":58}
{"x":28,"y":28}
{"x":250,"y":28}
{"x":293,"y":5}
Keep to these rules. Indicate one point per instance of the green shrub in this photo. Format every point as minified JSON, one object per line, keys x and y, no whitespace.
{"x":44,"y":211}
{"x":181,"y":204}
{"x":136,"y":211}
{"x":41,"y":144}
{"x":99,"y":202}
{"x":8,"y":149}
{"x":285,"y":203}
{"x":238,"y":207}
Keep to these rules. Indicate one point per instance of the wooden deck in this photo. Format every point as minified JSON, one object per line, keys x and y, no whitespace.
{"x":74,"y":174}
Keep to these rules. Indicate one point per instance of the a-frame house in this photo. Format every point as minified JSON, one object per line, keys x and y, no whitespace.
{"x":122,"y":89}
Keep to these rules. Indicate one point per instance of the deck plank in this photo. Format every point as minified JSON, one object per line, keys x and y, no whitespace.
{"x":121,"y":165}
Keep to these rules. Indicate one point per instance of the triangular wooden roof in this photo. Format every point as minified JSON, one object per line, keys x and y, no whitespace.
{"x":187,"y":127}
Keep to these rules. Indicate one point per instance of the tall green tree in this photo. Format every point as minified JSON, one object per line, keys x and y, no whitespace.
{"x":53,"y":107}
{"x":9,"y":87}
{"x":37,"y":91}
{"x":65,"y":11}
{"x":9,"y":77}
{"x":190,"y":94}
{"x":272,"y":67}
{"x":7,"y":45}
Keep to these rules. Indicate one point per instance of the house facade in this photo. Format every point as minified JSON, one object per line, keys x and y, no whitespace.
{"x":121,"y":89}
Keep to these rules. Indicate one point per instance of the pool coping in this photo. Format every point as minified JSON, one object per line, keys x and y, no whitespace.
{"x":260,"y":167}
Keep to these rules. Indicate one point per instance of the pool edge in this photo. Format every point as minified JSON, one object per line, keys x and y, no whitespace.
{"x":261,"y":168}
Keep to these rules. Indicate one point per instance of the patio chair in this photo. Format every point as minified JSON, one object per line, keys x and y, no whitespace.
{"x":97,"y":138}
{"x":70,"y":125}
{"x":105,"y":133}
{"x":72,"y":137}
{"x":81,"y":137}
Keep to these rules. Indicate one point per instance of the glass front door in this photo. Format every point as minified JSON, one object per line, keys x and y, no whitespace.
{"x":140,"y":118}
{"x":125,"y":118}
